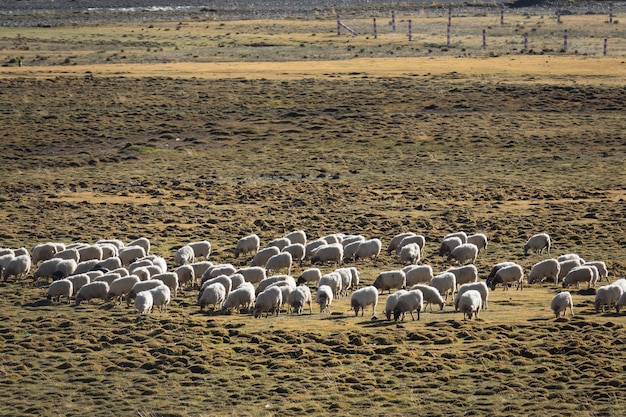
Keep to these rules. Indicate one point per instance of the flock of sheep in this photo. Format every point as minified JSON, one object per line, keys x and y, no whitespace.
{"x":112,"y":270}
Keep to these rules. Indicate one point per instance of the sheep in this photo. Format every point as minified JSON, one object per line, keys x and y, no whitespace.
{"x":297,"y":252}
{"x":87,"y":292}
{"x":43,"y":252}
{"x":242,"y":297}
{"x":621,"y":302}
{"x":602,"y":270}
{"x":480,"y":240}
{"x":448,"y":245}
{"x":260,"y":258}
{"x":577,"y":275}
{"x":481,"y":287}
{"x":566,"y":266}
{"x":139,"y":263}
{"x":121,"y":287}
{"x":60,"y":288}
{"x":144,"y":303}
{"x":607,"y":295}
{"x":143,"y":273}
{"x":364,"y":297}
{"x":411,"y":300}
{"x":445,"y":283}
{"x":346,"y":279}
{"x":279,"y":261}
{"x":199,"y":268}
{"x":68,"y":254}
{"x":333,"y":238}
{"x":78,"y":281}
{"x":596,"y":274}
{"x":368,"y":249}
{"x":431,"y":295}
{"x":17,"y":267}
{"x":273,"y":280}
{"x":334,"y":281}
{"x":184,"y":255}
{"x":111,"y":263}
{"x":350,"y":249}
{"x":247,"y":245}
{"x":418,"y":239}
{"x":463,"y":253}
{"x":622,"y":283}
{"x":90,"y":252}
{"x":297,"y":236}
{"x":560,"y":302}
{"x":391,"y":302}
{"x":310,"y":276}
{"x":122,"y":271}
{"x":349,"y":239}
{"x":464,"y":274}
{"x":236,"y":280}
{"x":388,"y":280}
{"x":324,"y":298}
{"x":186,"y":276}
{"x":158,"y":261}
{"x":395,"y":241}
{"x":512,"y":273}
{"x":222,"y":279}
{"x":170,"y":279}
{"x":201,"y":249}
{"x":217,"y":270}
{"x":298,"y":298}
{"x":24,"y":251}
{"x":108,"y":278}
{"x":568,"y":257}
{"x":410,"y":253}
{"x":141,"y":286}
{"x":161,"y":297}
{"x":253,"y":274}
{"x":5,"y":259}
{"x":46,"y":268}
{"x":548,"y":268}
{"x":417,"y":274}
{"x":213,"y":294}
{"x":331,"y":253}
{"x":108,"y":250}
{"x":86,"y":266}
{"x":142,"y":242}
{"x":268,"y":301}
{"x":129,"y":253}
{"x":538,"y":243}
{"x":469,"y":303}
{"x":7,"y":251}
{"x":461,"y":235}
{"x":64,"y":269}
{"x":312,"y":246}
{"x":115,"y":242}
{"x":355,"y":277}
{"x":280,"y":243}
{"x":495,"y":269}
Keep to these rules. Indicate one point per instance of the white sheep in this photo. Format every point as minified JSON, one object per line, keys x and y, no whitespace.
{"x":418,"y":239}
{"x":253,"y":274}
{"x":139,"y":263}
{"x":5,"y":259}
{"x":281,"y":243}
{"x":409,"y":301}
{"x":324,"y":298}
{"x":199,"y":268}
{"x":469,"y":304}
{"x":464,"y":274}
{"x":279,"y":261}
{"x":349,"y":239}
{"x":241,"y":298}
{"x":142,"y":242}
{"x":184,"y":255}
{"x":461,"y":235}
{"x":64,"y":269}
{"x":390,"y":280}
{"x":481,"y":287}
{"x":391,"y":302}
{"x":43,"y":252}
{"x":410,"y":253}
{"x":333,"y":238}
{"x":247,"y":245}
{"x":607,"y":295}
{"x":363,"y":297}
{"x":310,"y":276}
{"x":7,"y":251}
{"x":201,"y":249}
{"x":90,"y":252}
{"x":236,"y":280}
{"x":621,"y":302}
{"x":144,"y":303}
{"x":108,"y":278}
{"x":170,"y":279}
{"x":111,"y":263}
{"x":297,"y":236}
{"x":268,"y":301}
{"x":350,"y":249}
{"x":186,"y":276}
{"x":431,"y":295}
{"x":495,"y":269}
{"x":143,"y":273}
{"x":46,"y":268}
{"x":260,"y":258}
{"x":596,"y":274}
{"x":108,"y":250}
{"x":445,"y":283}
{"x":331,"y":253}
{"x":60,"y":288}
{"x":87,"y":292}
{"x":161,"y":296}
{"x":213,"y":294}
{"x":298,"y":298}
{"x":115,"y":242}
{"x":355,"y":277}
{"x":86,"y":266}
{"x":546,"y":269}
{"x":560,"y":302}
{"x":417,"y":274}
{"x":368,"y":249}
{"x":17,"y":267}
{"x":225,"y":280}
{"x":297,"y":252}
{"x":122,"y":271}
{"x":68,"y":254}
{"x":480,"y":240}
{"x":129,"y":254}
{"x":602,"y":269}
{"x":78,"y":281}
{"x":121,"y":287}
{"x":448,"y":245}
{"x":217,"y":270}
{"x":509,"y":274}
{"x":568,"y":257}
{"x":288,"y":279}
{"x":464,"y":253}
{"x":158,"y":261}
{"x":566,"y":266}
{"x":395,"y":241}
{"x":577,"y":275}
{"x":141,"y":286}
{"x":538,"y":243}
{"x":312,"y":246}
{"x":334,"y":281}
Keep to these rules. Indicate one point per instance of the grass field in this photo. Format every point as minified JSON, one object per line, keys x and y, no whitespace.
{"x":184,"y":139}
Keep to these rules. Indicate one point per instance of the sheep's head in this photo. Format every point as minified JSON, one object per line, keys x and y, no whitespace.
{"x":443,"y":303}
{"x":495,"y":281}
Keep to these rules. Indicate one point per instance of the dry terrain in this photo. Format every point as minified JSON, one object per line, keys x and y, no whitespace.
{"x":182,"y":139}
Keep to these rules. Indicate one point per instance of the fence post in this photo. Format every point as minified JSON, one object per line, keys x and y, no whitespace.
{"x":502,"y":15}
{"x":604,"y":49}
{"x":448,"y":35}
{"x":338,"y":26}
{"x":526,"y":41}
{"x":484,"y":39}
{"x":565,"y":40}
{"x":410,"y":30}
{"x":393,"y":21}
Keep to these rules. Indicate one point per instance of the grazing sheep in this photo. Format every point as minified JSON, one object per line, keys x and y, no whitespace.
{"x":90,"y":252}
{"x":184,"y":255}
{"x":538,"y":243}
{"x":121,"y":287}
{"x":111,"y":263}
{"x":355,"y":277}
{"x":201,"y":249}
{"x":577,"y":275}
{"x":568,"y":257}
{"x":186,"y":276}
{"x":108,"y":278}
{"x":199,"y":268}
{"x":478,"y":239}
{"x":161,"y":297}
{"x":560,"y":302}
{"x":214,"y":295}
{"x":60,"y":288}
{"x":410,"y":253}
{"x":607,"y":295}
{"x":390,"y":280}
{"x":144,"y":303}
{"x":280,"y":243}
{"x":463,"y":253}
{"x":241,"y":298}
{"x":445,"y":283}
{"x":143,"y":273}
{"x":495,"y":269}
{"x":602,"y":269}
{"x":481,"y":287}
{"x":139,"y":263}
{"x":260,"y":258}
{"x":469,"y":303}
{"x":333,"y":238}
{"x":129,"y":253}
{"x":280,"y":261}
{"x":409,"y":301}
{"x":217,"y":270}
{"x":78,"y":281}
{"x":546,"y":269}
{"x":566,"y":266}
{"x":298,"y":298}
{"x":141,"y":286}
{"x":596,"y":274}
{"x":324,"y":298}
{"x":46,"y":268}
{"x":368,"y":249}
{"x":268,"y":301}
{"x":349,"y":239}
{"x":464,"y":274}
{"x":86,"y":266}
{"x":363,"y":297}
{"x":64,"y":269}
{"x":334,"y":281}
{"x":142,"y":242}
{"x":417,"y":274}
{"x":391,"y":302}
{"x":248,"y":245}
{"x":310,"y":276}
{"x":170,"y":279}
{"x":43,"y":252}
{"x":226,"y":282}
{"x":286,"y":279}
{"x":395,"y":241}
{"x":5,"y":259}
{"x":312,"y":246}
{"x":108,"y":250}
{"x":331,"y":253}
{"x":17,"y":267}
{"x":621,"y":302}
{"x":236,"y":280}
{"x":418,"y":239}
{"x":68,"y":254}
{"x":431,"y":295}
{"x":253,"y":274}
{"x":297,"y":252}
{"x":448,"y":245}
{"x":460,"y":235}
{"x":350,"y":249}
{"x":297,"y":236}
{"x":513,"y":273}
{"x":97,"y":289}
{"x":115,"y":242}
{"x":122,"y":271}
{"x":7,"y":251}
